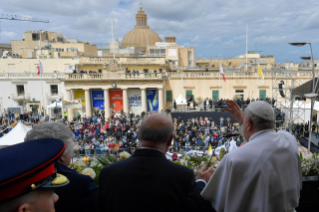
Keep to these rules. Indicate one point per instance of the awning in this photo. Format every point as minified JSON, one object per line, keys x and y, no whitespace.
{"x":181,"y":100}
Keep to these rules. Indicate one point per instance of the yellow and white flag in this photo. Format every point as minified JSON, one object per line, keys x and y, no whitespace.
{"x":261,"y":74}
{"x":210,"y":149}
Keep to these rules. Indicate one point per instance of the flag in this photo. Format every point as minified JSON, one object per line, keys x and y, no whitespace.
{"x":182,"y":70}
{"x":221,"y":70}
{"x":210,"y":149}
{"x":260,"y":73}
{"x":40,"y":68}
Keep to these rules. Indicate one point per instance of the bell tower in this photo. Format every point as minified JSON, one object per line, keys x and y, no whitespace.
{"x":141,"y":19}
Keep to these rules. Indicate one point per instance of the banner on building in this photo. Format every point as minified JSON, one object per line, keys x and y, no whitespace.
{"x":152,"y":100}
{"x":134,"y":100}
{"x":116,"y":100}
{"x":98,"y":99}
{"x":80,"y":94}
{"x":73,"y":104}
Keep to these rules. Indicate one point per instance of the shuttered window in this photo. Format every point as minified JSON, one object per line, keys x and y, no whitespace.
{"x":188,"y":94}
{"x":215,"y":94}
{"x":262,"y":94}
{"x":169,"y":96}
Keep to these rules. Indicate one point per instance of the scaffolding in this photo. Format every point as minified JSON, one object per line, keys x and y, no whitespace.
{"x":285,"y":101}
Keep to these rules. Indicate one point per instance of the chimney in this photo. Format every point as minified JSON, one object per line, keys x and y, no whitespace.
{"x":170,"y":39}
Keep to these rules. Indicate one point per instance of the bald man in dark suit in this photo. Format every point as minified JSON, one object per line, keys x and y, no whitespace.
{"x":147,"y":181}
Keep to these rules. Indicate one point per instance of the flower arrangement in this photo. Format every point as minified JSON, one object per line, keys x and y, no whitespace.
{"x":195,"y":162}
{"x":94,"y":167}
{"x":310,"y":165}
{"x":124,"y":155}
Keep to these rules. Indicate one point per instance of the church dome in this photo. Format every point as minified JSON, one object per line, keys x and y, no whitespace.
{"x":141,"y":35}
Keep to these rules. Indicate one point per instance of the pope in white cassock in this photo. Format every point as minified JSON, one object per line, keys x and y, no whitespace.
{"x":262,"y":175}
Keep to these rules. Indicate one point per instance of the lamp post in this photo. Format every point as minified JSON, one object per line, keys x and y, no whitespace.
{"x":313,"y":94}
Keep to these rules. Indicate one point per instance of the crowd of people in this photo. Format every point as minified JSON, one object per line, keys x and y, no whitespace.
{"x":210,"y":104}
{"x":251,"y":178}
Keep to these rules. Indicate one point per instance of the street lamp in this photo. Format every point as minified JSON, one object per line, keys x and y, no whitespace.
{"x":313,"y":94}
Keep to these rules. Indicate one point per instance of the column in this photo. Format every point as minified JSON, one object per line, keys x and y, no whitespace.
{"x":107,"y":103}
{"x":125,"y":100}
{"x":70,"y":110}
{"x":160,"y":99}
{"x":88,"y":103}
{"x":143,"y":95}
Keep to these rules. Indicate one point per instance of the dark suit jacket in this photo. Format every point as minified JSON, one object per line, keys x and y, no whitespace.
{"x":80,"y":195}
{"x":149,"y":182}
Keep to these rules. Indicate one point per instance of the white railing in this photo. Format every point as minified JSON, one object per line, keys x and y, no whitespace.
{"x":239,"y":74}
{"x":21,"y":96}
{"x":114,"y":76}
{"x":31,"y":75}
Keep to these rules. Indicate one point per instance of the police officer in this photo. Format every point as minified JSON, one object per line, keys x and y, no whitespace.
{"x":28,"y":176}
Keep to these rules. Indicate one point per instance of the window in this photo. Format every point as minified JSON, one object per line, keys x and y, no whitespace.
{"x":239,"y":91}
{"x":30,"y":54}
{"x":189,"y":53}
{"x":54,"y":90}
{"x":20,"y":90}
{"x":69,"y":69}
{"x":59,"y":49}
{"x":215,"y":94}
{"x":189,"y":62}
{"x":142,"y":22}
{"x":189,"y":95}
{"x":72,"y":49}
{"x":169,"y":96}
{"x":60,"y":39}
{"x":262,"y":94}
{"x":157,"y":52}
{"x":35,"y":37}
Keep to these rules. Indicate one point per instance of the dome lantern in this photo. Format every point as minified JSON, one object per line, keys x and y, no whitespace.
{"x":141,"y":36}
{"x":141,"y":19}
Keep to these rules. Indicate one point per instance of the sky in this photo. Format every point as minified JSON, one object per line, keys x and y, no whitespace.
{"x":216,"y":28}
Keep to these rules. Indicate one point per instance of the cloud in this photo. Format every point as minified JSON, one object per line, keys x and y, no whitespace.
{"x":214,"y":27}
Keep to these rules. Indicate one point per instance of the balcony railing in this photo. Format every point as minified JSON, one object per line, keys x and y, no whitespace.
{"x":240,"y":75}
{"x":115,"y":76}
{"x":31,"y":75}
{"x":21,"y":96}
{"x":125,"y":61}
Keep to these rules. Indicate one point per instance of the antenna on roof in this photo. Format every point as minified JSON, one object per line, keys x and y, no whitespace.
{"x":113,"y":40}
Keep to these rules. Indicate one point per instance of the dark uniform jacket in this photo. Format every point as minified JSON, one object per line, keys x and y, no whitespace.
{"x":80,"y":195}
{"x":149,"y":182}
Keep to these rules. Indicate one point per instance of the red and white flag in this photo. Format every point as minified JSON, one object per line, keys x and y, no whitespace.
{"x":221,"y":70}
{"x":40,"y":68}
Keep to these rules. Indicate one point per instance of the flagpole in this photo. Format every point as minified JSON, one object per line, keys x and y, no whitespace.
{"x":42,"y":95}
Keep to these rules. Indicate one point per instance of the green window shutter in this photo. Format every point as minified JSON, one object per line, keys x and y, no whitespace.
{"x":262,"y":94}
{"x":169,"y":96}
{"x":189,"y":92}
{"x":215,"y":94}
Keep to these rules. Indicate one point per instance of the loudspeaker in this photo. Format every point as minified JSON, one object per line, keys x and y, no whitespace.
{"x":280,"y":89}
{"x":306,"y":134}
